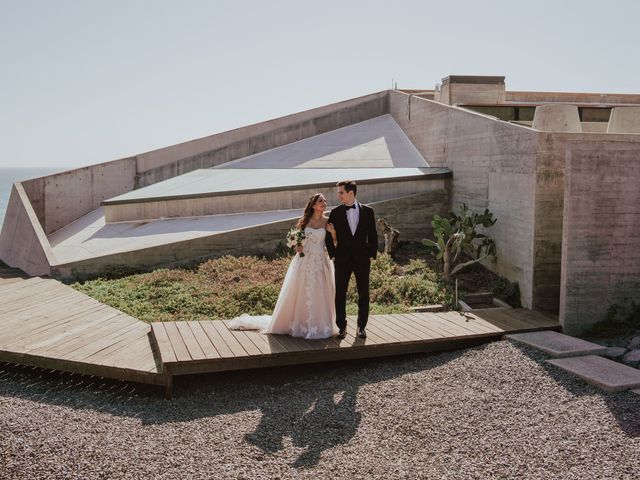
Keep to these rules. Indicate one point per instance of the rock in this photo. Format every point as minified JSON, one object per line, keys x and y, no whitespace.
{"x":634,"y":343}
{"x":615,"y":353}
{"x":632,"y":358}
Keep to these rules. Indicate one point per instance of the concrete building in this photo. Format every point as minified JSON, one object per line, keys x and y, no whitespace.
{"x":560,"y":171}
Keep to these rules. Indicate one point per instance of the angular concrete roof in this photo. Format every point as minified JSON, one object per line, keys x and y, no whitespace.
{"x":375,"y":143}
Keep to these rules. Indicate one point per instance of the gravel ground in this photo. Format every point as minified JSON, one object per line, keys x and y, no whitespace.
{"x":494,"y":411}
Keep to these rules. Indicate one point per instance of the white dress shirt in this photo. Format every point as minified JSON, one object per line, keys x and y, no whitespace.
{"x":353,"y":217}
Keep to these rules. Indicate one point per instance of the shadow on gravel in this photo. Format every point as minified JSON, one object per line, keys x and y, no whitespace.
{"x":623,"y":405}
{"x":315,"y":406}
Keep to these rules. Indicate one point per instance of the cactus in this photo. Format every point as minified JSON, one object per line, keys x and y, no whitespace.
{"x":457,"y":235}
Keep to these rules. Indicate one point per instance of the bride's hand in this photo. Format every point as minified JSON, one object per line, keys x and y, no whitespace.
{"x":330,"y":228}
{"x":299,"y":249}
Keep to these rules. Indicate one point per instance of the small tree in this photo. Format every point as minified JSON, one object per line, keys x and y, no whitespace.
{"x":457,"y":235}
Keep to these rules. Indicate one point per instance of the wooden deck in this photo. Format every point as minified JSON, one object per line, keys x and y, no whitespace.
{"x":47,"y":324}
{"x":210,"y":346}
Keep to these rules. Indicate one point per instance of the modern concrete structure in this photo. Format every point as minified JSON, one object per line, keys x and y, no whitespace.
{"x":559,"y":170}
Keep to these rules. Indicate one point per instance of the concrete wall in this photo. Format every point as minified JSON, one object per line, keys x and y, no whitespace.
{"x":61,"y":198}
{"x":224,"y":147}
{"x":240,"y":202}
{"x":23,"y":243}
{"x":494,"y":166}
{"x":411,"y":215}
{"x":548,"y":206}
{"x":601,"y":229}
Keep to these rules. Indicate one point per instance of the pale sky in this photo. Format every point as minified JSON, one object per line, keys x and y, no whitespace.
{"x":89,"y":81}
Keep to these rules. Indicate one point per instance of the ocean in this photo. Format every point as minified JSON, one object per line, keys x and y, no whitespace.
{"x":10,"y":175}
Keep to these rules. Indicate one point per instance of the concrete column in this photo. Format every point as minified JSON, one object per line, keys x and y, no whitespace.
{"x":624,"y":120}
{"x":557,"y":118}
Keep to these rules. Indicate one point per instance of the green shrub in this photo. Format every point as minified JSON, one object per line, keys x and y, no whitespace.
{"x":416,"y":290}
{"x":257,"y":299}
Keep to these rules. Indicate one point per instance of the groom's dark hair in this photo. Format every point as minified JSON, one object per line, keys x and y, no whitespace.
{"x":349,"y":186}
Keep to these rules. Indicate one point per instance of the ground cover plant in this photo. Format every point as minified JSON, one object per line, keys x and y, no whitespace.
{"x":228,"y":286}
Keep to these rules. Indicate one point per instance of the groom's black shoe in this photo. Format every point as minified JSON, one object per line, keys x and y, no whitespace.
{"x":342,"y":333}
{"x":362,"y":333}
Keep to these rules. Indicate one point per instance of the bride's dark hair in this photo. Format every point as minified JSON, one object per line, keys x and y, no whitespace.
{"x":308,"y":211}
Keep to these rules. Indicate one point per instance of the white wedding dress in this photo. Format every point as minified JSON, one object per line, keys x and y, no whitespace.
{"x":306,"y":303}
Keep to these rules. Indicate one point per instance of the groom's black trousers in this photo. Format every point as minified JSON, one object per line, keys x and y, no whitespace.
{"x":343,"y":270}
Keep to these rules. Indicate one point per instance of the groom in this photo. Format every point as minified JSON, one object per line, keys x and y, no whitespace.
{"x":357,"y":244}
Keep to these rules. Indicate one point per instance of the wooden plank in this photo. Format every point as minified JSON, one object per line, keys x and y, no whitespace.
{"x":293,"y":344}
{"x":119,"y":353}
{"x":448,"y":329}
{"x":30,"y":282}
{"x":383,"y":322}
{"x":475,"y":324}
{"x":47,"y":306}
{"x":37,"y":325}
{"x":511,"y":322}
{"x":373,"y":327}
{"x":70,"y":321}
{"x":427,"y":324}
{"x":428,"y":331}
{"x":231,"y":341}
{"x":352,"y":339}
{"x":32,"y":301}
{"x":118,"y":345}
{"x":217,"y":340}
{"x":33,"y":294}
{"x":140,"y":352}
{"x":492,"y":320}
{"x":537,"y":319}
{"x":207,"y":347}
{"x":403,"y":323}
{"x":70,"y":332}
{"x":180,"y":349}
{"x":190,"y":341}
{"x":98,"y":345}
{"x":256,"y":347}
{"x":99,"y":324}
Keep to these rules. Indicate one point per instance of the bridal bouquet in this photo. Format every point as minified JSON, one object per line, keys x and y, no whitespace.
{"x":295,"y":238}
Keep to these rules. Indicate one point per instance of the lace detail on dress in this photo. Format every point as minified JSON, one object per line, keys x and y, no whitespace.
{"x":305,"y":306}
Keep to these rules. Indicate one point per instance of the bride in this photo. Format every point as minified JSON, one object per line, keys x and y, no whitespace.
{"x":306,"y":303}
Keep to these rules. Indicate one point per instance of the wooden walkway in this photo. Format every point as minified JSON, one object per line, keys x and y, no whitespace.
{"x":210,"y":346}
{"x":47,"y":324}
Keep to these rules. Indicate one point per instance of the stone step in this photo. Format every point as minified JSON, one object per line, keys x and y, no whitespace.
{"x":558,"y":344}
{"x":601,"y":372}
{"x":478,"y":298}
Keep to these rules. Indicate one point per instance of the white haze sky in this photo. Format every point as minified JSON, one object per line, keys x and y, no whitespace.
{"x":89,"y":81}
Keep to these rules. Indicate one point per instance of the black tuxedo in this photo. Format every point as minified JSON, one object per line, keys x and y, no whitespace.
{"x":353,"y":255}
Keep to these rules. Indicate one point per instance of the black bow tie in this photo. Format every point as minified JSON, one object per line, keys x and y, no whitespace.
{"x":350,"y":206}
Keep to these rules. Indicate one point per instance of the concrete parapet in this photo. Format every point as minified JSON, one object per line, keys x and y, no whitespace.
{"x":624,"y":120}
{"x":571,"y":97}
{"x":557,"y":118}
{"x":23,"y":243}
{"x":285,"y":197}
